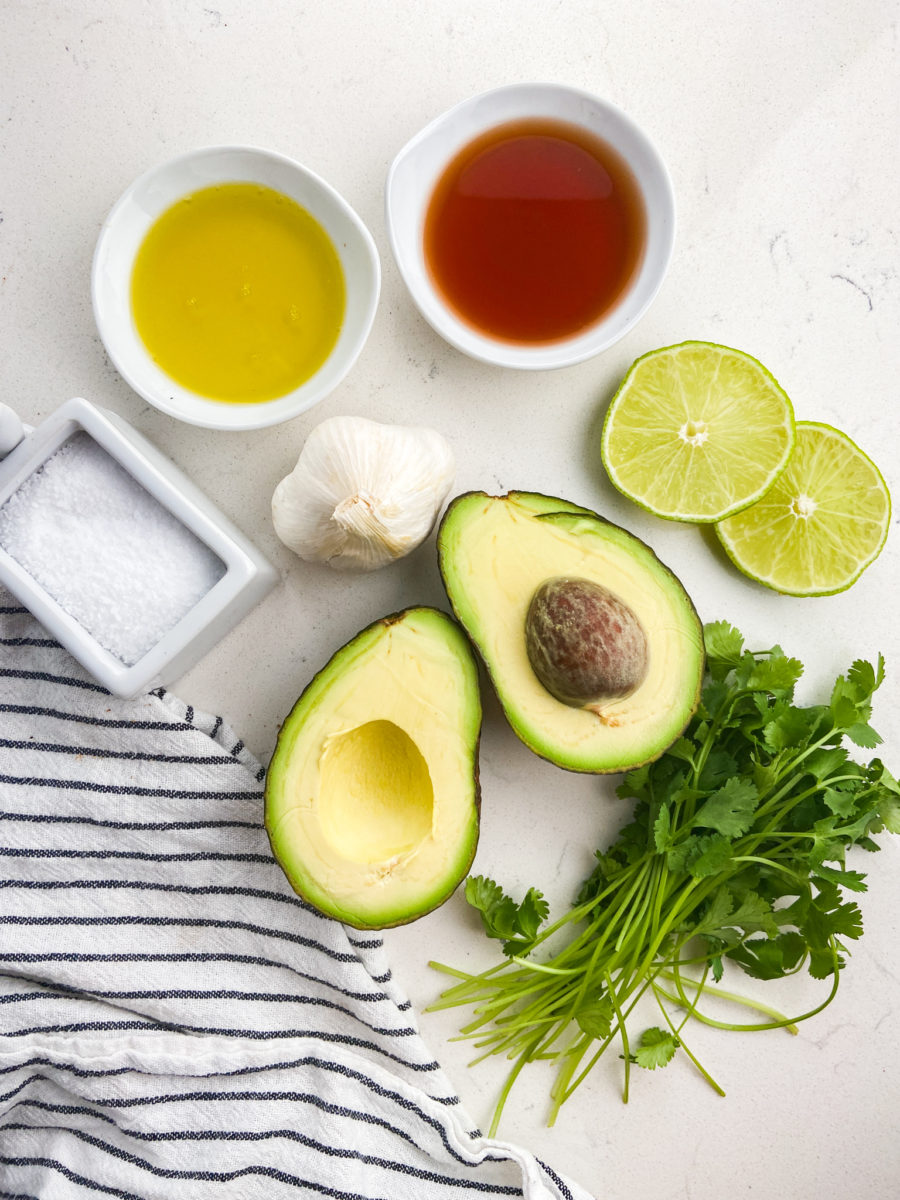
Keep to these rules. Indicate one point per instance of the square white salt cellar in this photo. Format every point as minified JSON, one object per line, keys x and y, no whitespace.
{"x":218,"y":576}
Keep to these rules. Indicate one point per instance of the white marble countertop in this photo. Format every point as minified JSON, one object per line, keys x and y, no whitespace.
{"x":780,"y":124}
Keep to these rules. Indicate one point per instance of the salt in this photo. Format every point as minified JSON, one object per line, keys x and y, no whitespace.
{"x":119,"y":562}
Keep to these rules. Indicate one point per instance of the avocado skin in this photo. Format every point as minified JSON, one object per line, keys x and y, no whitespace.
{"x":545,"y":506}
{"x":453,"y":882}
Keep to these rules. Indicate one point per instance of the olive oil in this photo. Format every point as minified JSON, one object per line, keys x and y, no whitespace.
{"x":534,"y":231}
{"x":238,"y":293}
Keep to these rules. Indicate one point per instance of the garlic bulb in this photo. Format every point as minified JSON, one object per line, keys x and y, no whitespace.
{"x":362,"y":494}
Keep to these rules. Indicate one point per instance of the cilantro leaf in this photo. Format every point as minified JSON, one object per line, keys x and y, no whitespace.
{"x":792,"y":948}
{"x":887,"y":797}
{"x":841,"y":801}
{"x":724,"y":647}
{"x":828,"y":916}
{"x":700,"y":855}
{"x":764,"y":775}
{"x":730,"y":809}
{"x":791,"y":727}
{"x":711,"y":855}
{"x":821,"y":962}
{"x":776,"y":674}
{"x":846,"y":712}
{"x":595,"y":1019}
{"x":482,"y":893}
{"x":635,"y":783}
{"x":719,"y":766}
{"x":715,"y":919}
{"x":657,"y":1048}
{"x":855,"y":881}
{"x":684,"y":749}
{"x":862,"y":678}
{"x":852,"y":694}
{"x":713,"y":699}
{"x":770,"y":958}
{"x":865,"y":679}
{"x":754,"y":915}
{"x":862,"y":733}
{"x":760,"y":958}
{"x":516,"y":925}
{"x":532,"y":913}
{"x":825,"y":762}
{"x":661,"y":828}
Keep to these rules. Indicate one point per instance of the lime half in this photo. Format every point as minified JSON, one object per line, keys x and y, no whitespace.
{"x":697,"y":432}
{"x":821,"y":524}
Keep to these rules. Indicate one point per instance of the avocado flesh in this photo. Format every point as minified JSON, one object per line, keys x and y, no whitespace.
{"x":372,"y":797}
{"x":495,"y":551}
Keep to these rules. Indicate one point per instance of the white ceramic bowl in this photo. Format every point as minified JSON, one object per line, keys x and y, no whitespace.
{"x":416,"y":169}
{"x":158,"y":190}
{"x":246,"y":578}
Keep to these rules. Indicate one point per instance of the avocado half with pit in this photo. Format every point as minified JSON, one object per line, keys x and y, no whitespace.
{"x":372,"y":796}
{"x":496,"y":553}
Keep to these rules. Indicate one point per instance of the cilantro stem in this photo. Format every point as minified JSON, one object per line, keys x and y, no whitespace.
{"x":674,"y":918}
{"x":504,"y":1093}
{"x":800,"y":757}
{"x":709,"y":742}
{"x":634,"y":998}
{"x":548,"y":970}
{"x":437,"y":966}
{"x":769,"y":863}
{"x":782,"y":1022}
{"x":636,"y":914}
{"x":580,"y":912}
{"x":684,"y":1046}
{"x":663,"y":881}
{"x":497,"y":969}
{"x":623,"y":1032}
{"x":701,"y":984}
{"x":571,"y":1012}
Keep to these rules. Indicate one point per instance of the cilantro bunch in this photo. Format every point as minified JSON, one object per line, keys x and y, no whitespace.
{"x":736,"y":854}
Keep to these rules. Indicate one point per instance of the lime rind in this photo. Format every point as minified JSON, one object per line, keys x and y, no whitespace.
{"x":675,"y":430}
{"x":823,"y":522}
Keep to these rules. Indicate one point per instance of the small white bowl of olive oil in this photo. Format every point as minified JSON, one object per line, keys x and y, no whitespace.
{"x":233,"y":288}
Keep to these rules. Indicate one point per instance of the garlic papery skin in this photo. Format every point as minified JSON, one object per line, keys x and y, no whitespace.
{"x":362,"y":494}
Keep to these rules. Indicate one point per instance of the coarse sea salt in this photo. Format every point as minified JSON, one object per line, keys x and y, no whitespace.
{"x":119,"y":562}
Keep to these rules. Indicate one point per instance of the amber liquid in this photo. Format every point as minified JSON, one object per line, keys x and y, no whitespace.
{"x":534,"y":231}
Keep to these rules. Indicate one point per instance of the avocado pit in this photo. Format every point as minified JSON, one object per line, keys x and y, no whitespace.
{"x":585,"y":645}
{"x":497,"y":551}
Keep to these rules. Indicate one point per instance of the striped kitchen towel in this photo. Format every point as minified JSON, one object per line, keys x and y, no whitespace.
{"x":175,"y":1023}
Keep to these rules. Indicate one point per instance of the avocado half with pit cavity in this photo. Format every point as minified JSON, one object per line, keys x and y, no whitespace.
{"x":372,"y":795}
{"x":496,"y":554}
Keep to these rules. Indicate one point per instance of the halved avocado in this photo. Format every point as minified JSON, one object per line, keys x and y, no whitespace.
{"x":495,"y":552}
{"x":372,"y":795}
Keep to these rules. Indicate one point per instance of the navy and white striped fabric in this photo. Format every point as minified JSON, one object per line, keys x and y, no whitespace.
{"x":174,"y":1022}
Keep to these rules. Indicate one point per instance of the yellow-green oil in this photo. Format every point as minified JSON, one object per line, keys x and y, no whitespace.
{"x":238,"y":293}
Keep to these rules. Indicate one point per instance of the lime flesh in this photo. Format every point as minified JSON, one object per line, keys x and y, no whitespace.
{"x":697,"y":432}
{"x":822,"y":523}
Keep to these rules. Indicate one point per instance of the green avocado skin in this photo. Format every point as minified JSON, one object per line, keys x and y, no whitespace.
{"x":451,"y":543}
{"x":433,"y":623}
